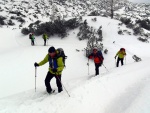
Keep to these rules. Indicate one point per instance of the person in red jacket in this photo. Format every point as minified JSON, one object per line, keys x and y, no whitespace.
{"x":98,"y":59}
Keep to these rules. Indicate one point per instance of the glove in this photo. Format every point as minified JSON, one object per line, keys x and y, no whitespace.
{"x":101,"y":63}
{"x":36,"y":64}
{"x":90,"y":57}
{"x":54,"y":70}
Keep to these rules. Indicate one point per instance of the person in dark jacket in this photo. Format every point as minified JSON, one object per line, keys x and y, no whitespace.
{"x":32,"y":38}
{"x":56,"y":66}
{"x":98,"y":59}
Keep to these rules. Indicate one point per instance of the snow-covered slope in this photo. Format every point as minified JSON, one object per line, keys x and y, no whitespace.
{"x":119,"y":90}
{"x":24,"y":12}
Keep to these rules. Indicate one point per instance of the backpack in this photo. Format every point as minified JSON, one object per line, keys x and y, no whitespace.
{"x":100,"y":55}
{"x":61,"y":53}
{"x":30,"y":36}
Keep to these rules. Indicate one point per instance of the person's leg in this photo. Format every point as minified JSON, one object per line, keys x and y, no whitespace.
{"x":58,"y":82}
{"x":44,"y":42}
{"x":118,"y":59}
{"x":96,"y":69}
{"x":48,"y":78}
{"x":32,"y":42}
{"x":121,"y":61}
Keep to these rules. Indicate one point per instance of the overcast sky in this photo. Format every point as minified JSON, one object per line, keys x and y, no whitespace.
{"x":140,"y":1}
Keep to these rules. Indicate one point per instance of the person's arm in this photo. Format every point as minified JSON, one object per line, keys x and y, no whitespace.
{"x":45,"y":60}
{"x":90,"y":56}
{"x":124,"y":53}
{"x":117,"y":54}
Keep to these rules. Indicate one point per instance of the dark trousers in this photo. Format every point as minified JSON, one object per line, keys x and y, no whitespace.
{"x":97,"y":65}
{"x":44,"y":42}
{"x":32,"y":42}
{"x":48,"y":78}
{"x":118,"y":60}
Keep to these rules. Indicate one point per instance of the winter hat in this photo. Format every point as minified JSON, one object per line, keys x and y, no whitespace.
{"x":51,"y":49}
{"x":122,"y":49}
{"x":95,"y":48}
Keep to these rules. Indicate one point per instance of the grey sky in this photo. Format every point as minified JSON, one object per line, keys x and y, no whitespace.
{"x":140,"y":1}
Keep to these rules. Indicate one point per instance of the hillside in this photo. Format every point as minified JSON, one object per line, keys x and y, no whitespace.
{"x":123,"y":89}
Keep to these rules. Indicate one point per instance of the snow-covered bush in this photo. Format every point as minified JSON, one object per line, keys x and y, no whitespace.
{"x":90,"y":47}
{"x":2,"y":20}
{"x":94,"y":19}
{"x":144,"y":23}
{"x":18,"y":13}
{"x":72,"y":23}
{"x":37,"y":22}
{"x":137,"y":59}
{"x":25,"y":31}
{"x":84,"y":32}
{"x":120,"y":32}
{"x":130,"y":25}
{"x":87,"y":32}
{"x":147,"y":35}
{"x":94,"y":13}
{"x":10,"y":22}
{"x":12,"y":17}
{"x":59,"y":27}
{"x":105,"y":51}
{"x":120,"y":24}
{"x":143,"y":39}
{"x":125,"y":20}
{"x":20,"y":19}
{"x":99,"y":32}
{"x":137,"y":31}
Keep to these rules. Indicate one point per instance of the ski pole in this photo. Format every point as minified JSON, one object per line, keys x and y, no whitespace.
{"x":35,"y":78}
{"x":88,"y":67}
{"x":115,"y":62}
{"x":105,"y":67}
{"x":47,"y":41}
{"x":35,"y":41}
{"x":125,"y":59}
{"x":63,"y":85}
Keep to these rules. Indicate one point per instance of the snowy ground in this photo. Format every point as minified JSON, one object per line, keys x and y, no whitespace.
{"x":119,"y":90}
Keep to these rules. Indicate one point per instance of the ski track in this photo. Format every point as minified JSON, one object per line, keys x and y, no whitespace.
{"x":126,"y":99}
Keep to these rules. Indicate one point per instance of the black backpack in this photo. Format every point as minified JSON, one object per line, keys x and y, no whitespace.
{"x":61,"y":53}
{"x":30,"y":36}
